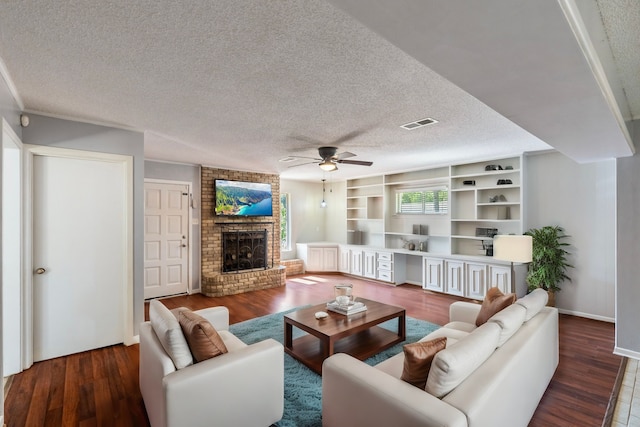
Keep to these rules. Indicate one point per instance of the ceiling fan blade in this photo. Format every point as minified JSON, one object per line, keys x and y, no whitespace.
{"x":344,"y":155}
{"x":354,"y":162}
{"x":293,"y":158}
{"x":302,"y":164}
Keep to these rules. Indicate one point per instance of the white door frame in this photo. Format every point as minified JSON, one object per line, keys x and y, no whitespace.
{"x":190,"y":234}
{"x":127,"y":292}
{"x":15,"y":140}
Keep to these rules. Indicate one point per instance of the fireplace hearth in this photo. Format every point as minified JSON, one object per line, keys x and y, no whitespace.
{"x":244,"y":250}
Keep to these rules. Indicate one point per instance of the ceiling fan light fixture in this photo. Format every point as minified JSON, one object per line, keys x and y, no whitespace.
{"x":328,"y":166}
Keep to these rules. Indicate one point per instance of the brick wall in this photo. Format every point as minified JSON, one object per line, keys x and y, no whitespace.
{"x":214,"y":283}
{"x":293,"y":266}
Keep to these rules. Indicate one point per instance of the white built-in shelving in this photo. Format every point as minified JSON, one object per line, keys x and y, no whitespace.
{"x":479,"y":197}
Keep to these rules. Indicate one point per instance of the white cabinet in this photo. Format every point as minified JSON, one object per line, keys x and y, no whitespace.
{"x":314,"y":259}
{"x":344,"y":260}
{"x":454,"y":277}
{"x":476,"y":280}
{"x":318,"y":257}
{"x":330,"y":259}
{"x":384,"y":267}
{"x":432,"y":277}
{"x":370,"y":267}
{"x":500,"y":276}
{"x":356,"y":262}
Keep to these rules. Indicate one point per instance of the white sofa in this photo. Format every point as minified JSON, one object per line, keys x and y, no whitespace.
{"x":504,"y":390}
{"x":244,"y":387}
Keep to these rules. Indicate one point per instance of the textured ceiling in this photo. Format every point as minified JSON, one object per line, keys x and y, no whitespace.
{"x":242,"y":84}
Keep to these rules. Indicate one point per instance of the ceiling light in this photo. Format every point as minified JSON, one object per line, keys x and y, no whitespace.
{"x":328,"y":166}
{"x":323,"y":204}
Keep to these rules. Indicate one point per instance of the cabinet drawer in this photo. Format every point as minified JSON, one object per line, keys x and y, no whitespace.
{"x":385,"y":275}
{"x":384,"y":256}
{"x":384,"y":265}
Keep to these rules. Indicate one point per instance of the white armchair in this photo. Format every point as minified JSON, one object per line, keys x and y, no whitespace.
{"x":244,"y":387}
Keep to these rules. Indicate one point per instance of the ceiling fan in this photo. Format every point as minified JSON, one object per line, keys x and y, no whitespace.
{"x":329,"y":157}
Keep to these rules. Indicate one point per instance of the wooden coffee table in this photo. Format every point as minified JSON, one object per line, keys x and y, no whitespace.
{"x":357,"y":334}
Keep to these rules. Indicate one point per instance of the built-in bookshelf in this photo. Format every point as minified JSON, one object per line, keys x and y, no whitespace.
{"x":481,"y":195}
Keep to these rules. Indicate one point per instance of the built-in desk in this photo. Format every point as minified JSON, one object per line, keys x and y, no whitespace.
{"x":462,"y":275}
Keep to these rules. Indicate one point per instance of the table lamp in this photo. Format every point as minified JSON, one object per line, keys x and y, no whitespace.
{"x":513,"y":248}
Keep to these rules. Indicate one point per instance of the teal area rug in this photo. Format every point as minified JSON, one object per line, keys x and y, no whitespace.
{"x":302,"y":386}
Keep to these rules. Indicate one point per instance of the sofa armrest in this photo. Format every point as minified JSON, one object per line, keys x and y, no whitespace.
{"x":356,"y":394}
{"x":217,"y":316}
{"x":462,"y":311}
{"x":154,"y":365}
{"x":218,"y":390}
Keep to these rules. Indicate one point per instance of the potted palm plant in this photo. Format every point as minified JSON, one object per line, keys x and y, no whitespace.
{"x":549,"y":260}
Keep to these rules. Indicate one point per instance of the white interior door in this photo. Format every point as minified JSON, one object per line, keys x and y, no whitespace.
{"x":166,"y":239}
{"x":80,"y":247}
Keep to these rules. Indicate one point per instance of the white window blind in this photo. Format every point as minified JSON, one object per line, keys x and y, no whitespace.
{"x":422,"y":201}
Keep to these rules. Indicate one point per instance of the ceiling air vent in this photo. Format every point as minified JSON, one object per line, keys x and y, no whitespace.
{"x":419,"y":123}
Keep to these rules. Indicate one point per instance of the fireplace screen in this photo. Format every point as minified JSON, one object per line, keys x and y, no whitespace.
{"x":244,"y":250}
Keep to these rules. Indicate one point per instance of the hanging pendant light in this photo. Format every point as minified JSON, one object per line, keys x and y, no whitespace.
{"x":323,"y":204}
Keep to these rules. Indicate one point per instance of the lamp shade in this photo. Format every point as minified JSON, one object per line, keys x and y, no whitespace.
{"x":328,"y":166}
{"x":512,"y":248}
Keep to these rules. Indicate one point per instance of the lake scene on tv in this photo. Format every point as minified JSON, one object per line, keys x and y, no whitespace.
{"x":243,"y":198}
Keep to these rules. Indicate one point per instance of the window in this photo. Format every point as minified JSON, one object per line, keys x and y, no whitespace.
{"x":423,"y":201}
{"x":285,"y":223}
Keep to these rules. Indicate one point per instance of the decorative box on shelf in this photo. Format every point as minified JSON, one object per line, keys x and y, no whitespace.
{"x":356,"y":307}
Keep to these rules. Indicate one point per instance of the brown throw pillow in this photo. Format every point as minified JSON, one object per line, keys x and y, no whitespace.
{"x":417,"y":360}
{"x":494,"y":301}
{"x":203,"y":339}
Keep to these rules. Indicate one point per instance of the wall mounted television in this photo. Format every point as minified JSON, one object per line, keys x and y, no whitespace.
{"x":238,"y":198}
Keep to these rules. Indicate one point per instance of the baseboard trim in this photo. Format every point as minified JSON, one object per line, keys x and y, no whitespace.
{"x":613,"y":399}
{"x":626,"y":353}
{"x":587,"y":315}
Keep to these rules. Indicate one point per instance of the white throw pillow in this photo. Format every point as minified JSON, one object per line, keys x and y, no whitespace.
{"x":167,"y":329}
{"x":510,"y":319}
{"x":454,"y":364}
{"x":534,"y":302}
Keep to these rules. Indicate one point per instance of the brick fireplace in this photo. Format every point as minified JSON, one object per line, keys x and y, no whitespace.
{"x":221,"y":274}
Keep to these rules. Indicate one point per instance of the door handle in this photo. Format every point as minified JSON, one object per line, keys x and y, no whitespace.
{"x":184,"y":246}
{"x":40,"y":270}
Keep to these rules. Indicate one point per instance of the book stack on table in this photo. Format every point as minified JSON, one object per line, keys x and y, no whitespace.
{"x":356,"y":307}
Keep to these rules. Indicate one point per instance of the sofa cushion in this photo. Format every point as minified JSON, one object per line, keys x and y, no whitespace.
{"x":455,"y":363}
{"x":460,"y":326}
{"x":202,"y":337}
{"x":534,"y":302}
{"x":493,"y":302}
{"x":417,"y":360}
{"x":167,"y":329}
{"x":510,"y":319}
{"x":453,"y":335}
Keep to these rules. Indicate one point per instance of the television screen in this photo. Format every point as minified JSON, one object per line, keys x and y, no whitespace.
{"x":237,"y":198}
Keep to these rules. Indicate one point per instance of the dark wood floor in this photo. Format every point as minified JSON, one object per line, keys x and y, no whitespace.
{"x":100,"y":387}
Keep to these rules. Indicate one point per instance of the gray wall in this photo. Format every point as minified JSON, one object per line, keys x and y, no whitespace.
{"x":184,"y":173}
{"x":628,"y":252}
{"x":581,"y":199}
{"x":82,"y":136}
